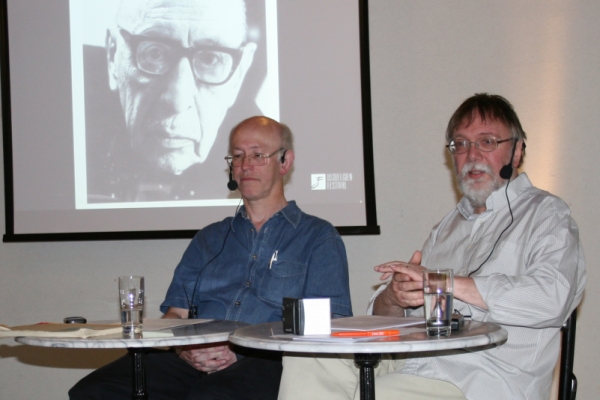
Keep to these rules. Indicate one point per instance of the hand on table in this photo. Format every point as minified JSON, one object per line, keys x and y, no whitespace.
{"x":208,"y":358}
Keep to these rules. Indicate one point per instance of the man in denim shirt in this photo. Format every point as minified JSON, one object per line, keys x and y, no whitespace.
{"x":240,"y":269}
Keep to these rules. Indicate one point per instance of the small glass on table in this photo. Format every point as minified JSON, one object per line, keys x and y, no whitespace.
{"x":438,"y":291}
{"x":131,"y":298}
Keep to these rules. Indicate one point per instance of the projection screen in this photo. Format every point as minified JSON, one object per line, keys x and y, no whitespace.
{"x":116,"y":113}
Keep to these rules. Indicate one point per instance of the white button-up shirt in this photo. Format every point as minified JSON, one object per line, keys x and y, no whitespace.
{"x":531,"y":283}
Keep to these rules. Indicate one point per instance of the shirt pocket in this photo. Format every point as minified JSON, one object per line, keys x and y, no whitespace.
{"x":283,"y":279}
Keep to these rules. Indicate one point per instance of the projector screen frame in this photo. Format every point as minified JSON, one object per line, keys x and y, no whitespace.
{"x":371,"y":227}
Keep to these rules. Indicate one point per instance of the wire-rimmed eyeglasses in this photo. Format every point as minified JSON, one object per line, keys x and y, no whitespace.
{"x":252,"y":159}
{"x":485,"y":144}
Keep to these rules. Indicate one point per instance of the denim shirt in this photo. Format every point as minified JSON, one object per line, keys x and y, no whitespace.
{"x":230,"y":271}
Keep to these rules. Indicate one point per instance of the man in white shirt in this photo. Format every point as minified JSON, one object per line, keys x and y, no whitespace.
{"x":517,"y":261}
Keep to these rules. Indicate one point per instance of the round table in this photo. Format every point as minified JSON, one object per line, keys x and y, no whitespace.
{"x":367,"y":354}
{"x":203,"y":332}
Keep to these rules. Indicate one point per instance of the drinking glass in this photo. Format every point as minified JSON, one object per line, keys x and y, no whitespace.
{"x":438,"y":290}
{"x":131,"y":298}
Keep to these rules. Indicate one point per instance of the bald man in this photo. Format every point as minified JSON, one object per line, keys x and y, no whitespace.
{"x":240,"y":269}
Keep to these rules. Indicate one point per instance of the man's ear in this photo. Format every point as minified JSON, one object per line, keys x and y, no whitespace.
{"x":286,"y":165}
{"x":111,"y":50}
{"x":518,"y":154}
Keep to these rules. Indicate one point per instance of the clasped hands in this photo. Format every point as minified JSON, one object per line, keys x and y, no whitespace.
{"x":405,"y":289}
{"x":207,"y":357}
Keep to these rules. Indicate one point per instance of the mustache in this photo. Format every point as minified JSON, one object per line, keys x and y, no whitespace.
{"x":474,"y":166}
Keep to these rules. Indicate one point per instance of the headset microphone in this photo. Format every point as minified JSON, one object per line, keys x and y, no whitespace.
{"x":232,"y":184}
{"x":507,"y":170}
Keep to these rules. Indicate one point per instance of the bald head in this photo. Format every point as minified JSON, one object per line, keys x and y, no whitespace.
{"x":261,"y":179}
{"x":267,"y":125}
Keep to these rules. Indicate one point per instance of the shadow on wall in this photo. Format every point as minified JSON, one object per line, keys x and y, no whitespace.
{"x":60,"y":357}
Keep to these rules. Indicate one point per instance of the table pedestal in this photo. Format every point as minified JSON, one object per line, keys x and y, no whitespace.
{"x":367,"y":363}
{"x":139,"y":373}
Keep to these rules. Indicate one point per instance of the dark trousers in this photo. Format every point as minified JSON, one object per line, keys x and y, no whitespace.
{"x":254,"y":377}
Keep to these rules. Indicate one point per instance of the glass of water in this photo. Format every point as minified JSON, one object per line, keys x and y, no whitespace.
{"x":438,"y":290}
{"x":131,"y":299}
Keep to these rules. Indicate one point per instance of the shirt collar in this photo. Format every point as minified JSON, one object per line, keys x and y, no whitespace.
{"x":497,"y":200}
{"x":291,"y":212}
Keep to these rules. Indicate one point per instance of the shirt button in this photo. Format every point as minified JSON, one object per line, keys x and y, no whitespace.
{"x":237,"y":303}
{"x":254,"y":257}
{"x":248,"y":283}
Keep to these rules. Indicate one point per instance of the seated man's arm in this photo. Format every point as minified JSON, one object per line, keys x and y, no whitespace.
{"x":548,"y":281}
{"x":174,"y":312}
{"x":537,"y":290}
{"x":466,"y":290}
{"x":206,"y":358}
{"x":405,"y":289}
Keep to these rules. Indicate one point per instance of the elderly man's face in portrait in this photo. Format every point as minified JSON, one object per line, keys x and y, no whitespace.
{"x":178,"y":66}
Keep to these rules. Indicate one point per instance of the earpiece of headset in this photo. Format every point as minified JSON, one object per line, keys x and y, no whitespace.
{"x":283,"y":156}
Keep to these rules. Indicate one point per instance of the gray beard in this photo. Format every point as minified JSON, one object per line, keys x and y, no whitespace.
{"x":477,"y":197}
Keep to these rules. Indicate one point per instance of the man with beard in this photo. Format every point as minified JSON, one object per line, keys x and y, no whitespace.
{"x":517,"y":261}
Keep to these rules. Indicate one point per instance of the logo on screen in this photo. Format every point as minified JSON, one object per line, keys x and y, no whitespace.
{"x":318,"y":182}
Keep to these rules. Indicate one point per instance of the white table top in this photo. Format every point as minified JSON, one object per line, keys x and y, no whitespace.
{"x":474,"y":334}
{"x":207,"y":332}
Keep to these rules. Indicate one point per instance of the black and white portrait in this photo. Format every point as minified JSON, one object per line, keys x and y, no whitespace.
{"x":159,"y":93}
